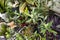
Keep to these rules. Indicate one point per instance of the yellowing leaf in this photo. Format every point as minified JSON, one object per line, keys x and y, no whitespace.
{"x":2,"y":3}
{"x":28,"y":31}
{"x":26,"y":12}
{"x":30,"y":1}
{"x":21,"y":8}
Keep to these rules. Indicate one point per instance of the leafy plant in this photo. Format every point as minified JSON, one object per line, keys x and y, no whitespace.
{"x":2,"y":6}
{"x":30,"y":21}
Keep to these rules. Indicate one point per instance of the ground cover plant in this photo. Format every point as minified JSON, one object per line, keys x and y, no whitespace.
{"x":26,"y":20}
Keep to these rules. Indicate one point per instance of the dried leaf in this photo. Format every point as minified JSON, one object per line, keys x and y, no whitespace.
{"x":12,"y":25}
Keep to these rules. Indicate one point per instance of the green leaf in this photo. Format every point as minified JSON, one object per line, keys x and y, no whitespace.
{"x":43,"y":38}
{"x":43,"y":31}
{"x":2,"y":6}
{"x":45,"y":18}
{"x":50,"y":24}
{"x":8,"y":35}
{"x":2,"y":3}
{"x":52,"y":31}
{"x":28,"y":21}
{"x":2,"y":29}
{"x":19,"y":37}
{"x":26,"y":12}
{"x":30,"y":1}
